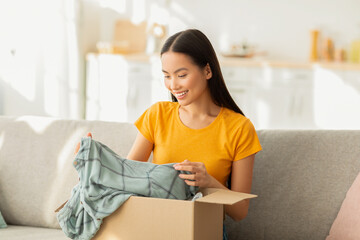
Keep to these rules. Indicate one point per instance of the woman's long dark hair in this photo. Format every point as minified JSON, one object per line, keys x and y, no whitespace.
{"x":196,"y":45}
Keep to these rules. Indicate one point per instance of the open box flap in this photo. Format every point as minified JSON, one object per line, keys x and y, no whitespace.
{"x":222,"y":196}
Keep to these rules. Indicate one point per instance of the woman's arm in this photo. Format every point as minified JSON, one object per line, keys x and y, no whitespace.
{"x":241,"y":180}
{"x":141,"y":149}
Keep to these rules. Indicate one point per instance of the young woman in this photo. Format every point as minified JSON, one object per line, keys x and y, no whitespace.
{"x":202,"y":129}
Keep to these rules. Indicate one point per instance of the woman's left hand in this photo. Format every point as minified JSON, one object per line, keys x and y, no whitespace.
{"x":198,"y":177}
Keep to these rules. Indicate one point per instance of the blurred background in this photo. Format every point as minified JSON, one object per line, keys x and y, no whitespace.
{"x":288,"y":64}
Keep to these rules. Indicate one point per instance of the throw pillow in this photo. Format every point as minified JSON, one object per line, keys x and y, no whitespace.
{"x":347,"y":223}
{"x":2,"y":222}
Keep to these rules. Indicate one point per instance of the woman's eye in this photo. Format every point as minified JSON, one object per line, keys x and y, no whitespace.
{"x":182,"y":76}
{"x":166,"y":77}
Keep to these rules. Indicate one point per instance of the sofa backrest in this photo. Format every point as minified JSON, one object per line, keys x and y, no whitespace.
{"x":301,"y":178}
{"x":36,"y":172}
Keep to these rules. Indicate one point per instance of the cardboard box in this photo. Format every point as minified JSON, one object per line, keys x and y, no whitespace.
{"x":156,"y":218}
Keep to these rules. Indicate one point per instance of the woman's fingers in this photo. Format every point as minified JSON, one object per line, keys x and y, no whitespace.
{"x":198,"y":175}
{"x":189,"y":166}
{"x":77,"y":148}
{"x":191,"y":179}
{"x":191,"y":183}
{"x":188,"y":176}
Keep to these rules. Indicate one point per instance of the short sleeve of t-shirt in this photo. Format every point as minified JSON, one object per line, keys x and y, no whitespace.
{"x":145,"y":123}
{"x":247,"y":141}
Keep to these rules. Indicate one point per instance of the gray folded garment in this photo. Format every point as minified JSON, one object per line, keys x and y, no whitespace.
{"x":107,"y":181}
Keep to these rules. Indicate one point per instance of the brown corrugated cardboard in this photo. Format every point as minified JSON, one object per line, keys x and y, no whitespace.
{"x":155,"y":218}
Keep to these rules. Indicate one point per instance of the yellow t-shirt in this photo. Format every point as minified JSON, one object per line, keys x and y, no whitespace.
{"x":230,"y":137}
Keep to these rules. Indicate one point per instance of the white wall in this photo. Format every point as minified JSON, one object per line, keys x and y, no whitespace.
{"x":45,"y":73}
{"x":280,"y":27}
{"x":41,"y":67}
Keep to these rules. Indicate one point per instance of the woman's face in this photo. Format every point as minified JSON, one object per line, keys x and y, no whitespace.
{"x":184,"y":79}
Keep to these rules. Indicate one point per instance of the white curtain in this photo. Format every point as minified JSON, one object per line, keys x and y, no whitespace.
{"x":41,"y":68}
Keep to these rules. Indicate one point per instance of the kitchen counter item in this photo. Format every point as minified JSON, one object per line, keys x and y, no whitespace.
{"x":314,"y":34}
{"x":129,"y":37}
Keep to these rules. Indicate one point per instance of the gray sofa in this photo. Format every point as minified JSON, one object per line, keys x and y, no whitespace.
{"x":301,"y":177}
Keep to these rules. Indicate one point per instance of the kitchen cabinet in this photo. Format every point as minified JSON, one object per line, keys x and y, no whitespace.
{"x":117,"y":89}
{"x":158,"y":90}
{"x":284,"y":99}
{"x":336,"y":98}
{"x":272,"y":97}
{"x":241,"y":83}
{"x":282,"y":96}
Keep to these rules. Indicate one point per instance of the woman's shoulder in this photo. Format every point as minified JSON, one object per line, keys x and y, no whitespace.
{"x":231,"y":115}
{"x":236,"y":120}
{"x":163,"y":107}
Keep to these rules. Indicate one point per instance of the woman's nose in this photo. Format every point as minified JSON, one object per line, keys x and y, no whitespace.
{"x":173,"y":83}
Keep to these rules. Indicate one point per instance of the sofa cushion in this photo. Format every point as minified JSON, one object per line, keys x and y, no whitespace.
{"x":36,"y":155}
{"x":31,"y":233}
{"x":347,"y":223}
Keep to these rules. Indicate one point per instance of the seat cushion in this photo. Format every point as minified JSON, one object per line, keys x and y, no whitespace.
{"x":31,"y":233}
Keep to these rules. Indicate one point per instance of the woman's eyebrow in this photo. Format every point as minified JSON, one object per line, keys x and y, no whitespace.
{"x":180,"y":69}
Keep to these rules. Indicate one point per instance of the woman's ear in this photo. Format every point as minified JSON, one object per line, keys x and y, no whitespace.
{"x":208,"y":72}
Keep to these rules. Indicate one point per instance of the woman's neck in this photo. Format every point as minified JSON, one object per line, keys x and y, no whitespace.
{"x":201,"y":107}
{"x":198,"y":116}
{"x":195,"y":110}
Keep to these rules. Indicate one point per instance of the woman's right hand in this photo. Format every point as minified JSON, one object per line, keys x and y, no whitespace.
{"x":78,"y":145}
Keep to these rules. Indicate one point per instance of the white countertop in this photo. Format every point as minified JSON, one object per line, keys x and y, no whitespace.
{"x":248,"y":62}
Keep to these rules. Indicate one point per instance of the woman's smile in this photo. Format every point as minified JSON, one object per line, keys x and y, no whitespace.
{"x":180,"y":95}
